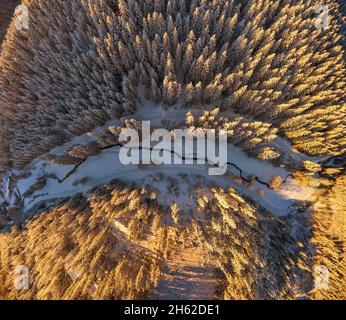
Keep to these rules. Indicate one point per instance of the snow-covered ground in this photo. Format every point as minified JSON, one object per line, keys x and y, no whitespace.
{"x":106,"y":167}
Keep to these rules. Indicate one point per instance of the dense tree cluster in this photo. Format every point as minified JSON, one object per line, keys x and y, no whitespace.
{"x":329,"y":239}
{"x":6,"y":9}
{"x":82,"y":62}
{"x":114,"y":244}
{"x":252,"y":136}
{"x":238,"y":232}
{"x":74,"y":250}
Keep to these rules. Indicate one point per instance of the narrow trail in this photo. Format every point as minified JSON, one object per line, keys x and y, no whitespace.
{"x":187,"y":275}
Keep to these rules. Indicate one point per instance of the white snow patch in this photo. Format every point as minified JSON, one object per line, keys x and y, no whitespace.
{"x":105,"y":167}
{"x":292,"y":190}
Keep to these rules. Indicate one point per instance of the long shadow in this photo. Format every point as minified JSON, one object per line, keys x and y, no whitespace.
{"x":288,"y":254}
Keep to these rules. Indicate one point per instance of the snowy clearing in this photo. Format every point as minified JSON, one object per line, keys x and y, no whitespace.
{"x":105,"y":167}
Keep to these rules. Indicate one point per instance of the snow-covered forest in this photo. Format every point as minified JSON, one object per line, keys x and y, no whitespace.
{"x":88,"y":227}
